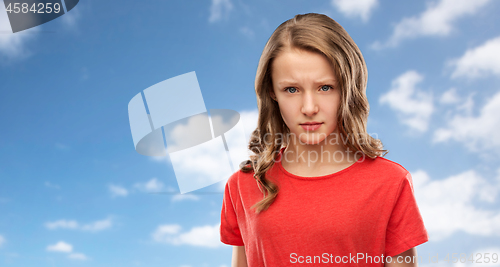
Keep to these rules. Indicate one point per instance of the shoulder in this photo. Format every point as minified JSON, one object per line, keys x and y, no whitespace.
{"x":387,"y":170}
{"x":387,"y":166}
{"x":237,"y":178}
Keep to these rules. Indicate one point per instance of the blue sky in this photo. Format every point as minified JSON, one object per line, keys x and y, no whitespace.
{"x":74,"y":192}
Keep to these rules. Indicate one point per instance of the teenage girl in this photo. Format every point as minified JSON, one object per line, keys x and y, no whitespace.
{"x":317,"y":189}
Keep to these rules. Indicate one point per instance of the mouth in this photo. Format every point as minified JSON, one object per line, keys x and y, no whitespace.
{"x":311,"y":126}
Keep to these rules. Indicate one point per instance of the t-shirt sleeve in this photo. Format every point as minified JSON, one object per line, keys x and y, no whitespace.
{"x":229,"y":229}
{"x":405,"y":229}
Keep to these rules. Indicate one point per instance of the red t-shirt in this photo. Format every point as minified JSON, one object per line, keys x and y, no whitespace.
{"x":357,"y":216}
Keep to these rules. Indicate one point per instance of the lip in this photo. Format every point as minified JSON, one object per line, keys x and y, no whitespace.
{"x":311,"y":122}
{"x":311,"y":126}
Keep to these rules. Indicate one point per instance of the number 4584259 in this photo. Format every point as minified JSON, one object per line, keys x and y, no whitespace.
{"x":35,"y":8}
{"x":473,"y":258}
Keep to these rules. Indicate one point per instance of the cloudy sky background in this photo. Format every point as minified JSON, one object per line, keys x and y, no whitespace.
{"x":74,"y":192}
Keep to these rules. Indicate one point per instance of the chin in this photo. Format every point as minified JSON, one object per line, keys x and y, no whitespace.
{"x":313,"y":139}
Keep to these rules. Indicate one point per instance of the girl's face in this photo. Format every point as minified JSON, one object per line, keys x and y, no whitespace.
{"x":305,"y":87}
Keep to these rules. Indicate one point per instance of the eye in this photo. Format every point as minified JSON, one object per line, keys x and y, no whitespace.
{"x":292,"y":89}
{"x":325,"y":88}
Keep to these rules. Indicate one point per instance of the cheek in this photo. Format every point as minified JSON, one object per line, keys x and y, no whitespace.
{"x":334,"y":111}
{"x":330,"y":107}
{"x":287,"y":114}
{"x":284,"y":115}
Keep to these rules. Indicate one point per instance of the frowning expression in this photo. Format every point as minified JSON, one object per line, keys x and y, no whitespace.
{"x":306,"y":89}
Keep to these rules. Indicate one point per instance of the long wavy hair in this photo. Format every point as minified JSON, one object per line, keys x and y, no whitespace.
{"x":320,"y":34}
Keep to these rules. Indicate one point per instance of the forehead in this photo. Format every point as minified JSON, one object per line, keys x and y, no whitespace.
{"x":298,"y":64}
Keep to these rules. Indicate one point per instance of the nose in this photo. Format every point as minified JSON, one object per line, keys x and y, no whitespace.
{"x":309,"y":104}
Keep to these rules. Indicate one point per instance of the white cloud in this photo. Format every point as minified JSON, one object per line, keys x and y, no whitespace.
{"x":2,"y":240}
{"x":479,"y":61}
{"x":78,"y":256}
{"x":181,"y":197}
{"x":205,"y":163}
{"x":448,"y":205}
{"x":436,"y":20}
{"x":159,"y":158}
{"x":60,"y":246}
{"x":64,"y":247}
{"x":450,"y":97}
{"x":181,"y":135}
{"x":12,"y":45}
{"x":74,"y":225}
{"x":98,"y":225}
{"x":356,"y":8}
{"x":413,"y":105}
{"x":249,"y":119}
{"x":117,"y":191}
{"x":477,"y":133}
{"x":203,"y":236}
{"x":64,"y":224}
{"x":219,"y":9}
{"x":166,"y":229}
{"x":150,"y":186}
{"x":467,"y":105}
{"x":461,"y":105}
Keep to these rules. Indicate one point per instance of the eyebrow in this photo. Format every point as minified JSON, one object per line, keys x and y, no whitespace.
{"x":325,"y":81}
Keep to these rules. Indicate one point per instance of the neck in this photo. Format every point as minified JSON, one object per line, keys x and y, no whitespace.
{"x":319,"y":155}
